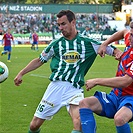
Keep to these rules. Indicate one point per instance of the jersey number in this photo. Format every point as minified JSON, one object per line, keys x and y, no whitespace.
{"x":40,"y":107}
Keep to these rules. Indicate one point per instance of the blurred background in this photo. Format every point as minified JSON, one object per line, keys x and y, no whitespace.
{"x":102,"y":17}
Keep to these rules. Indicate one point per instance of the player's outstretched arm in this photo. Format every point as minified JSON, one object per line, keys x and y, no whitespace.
{"x":115,"y":37}
{"x":115,"y":82}
{"x":34,"y":64}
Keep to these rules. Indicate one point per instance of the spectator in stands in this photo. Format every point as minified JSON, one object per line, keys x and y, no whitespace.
{"x":39,"y":22}
{"x":30,"y":38}
{"x":86,"y":32}
{"x":1,"y":31}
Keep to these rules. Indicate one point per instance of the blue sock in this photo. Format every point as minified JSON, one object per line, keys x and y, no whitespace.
{"x":123,"y":129}
{"x":9,"y":55}
{"x":87,"y":120}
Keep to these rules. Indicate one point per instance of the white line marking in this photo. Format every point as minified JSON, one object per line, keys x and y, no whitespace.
{"x":38,"y":75}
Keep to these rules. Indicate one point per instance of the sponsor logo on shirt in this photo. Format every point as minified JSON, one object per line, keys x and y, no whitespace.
{"x":71,"y":57}
{"x":49,"y":103}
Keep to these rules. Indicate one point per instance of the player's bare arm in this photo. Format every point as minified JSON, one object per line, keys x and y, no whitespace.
{"x":115,"y":82}
{"x":115,"y":37}
{"x":34,"y":64}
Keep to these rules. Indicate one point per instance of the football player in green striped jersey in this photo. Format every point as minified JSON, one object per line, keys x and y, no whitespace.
{"x":71,"y":57}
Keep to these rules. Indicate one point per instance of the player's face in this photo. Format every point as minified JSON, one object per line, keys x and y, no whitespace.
{"x":65,"y":26}
{"x":131,"y":37}
{"x":8,"y":30}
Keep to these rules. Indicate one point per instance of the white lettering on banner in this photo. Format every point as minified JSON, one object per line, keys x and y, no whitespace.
{"x":3,"y":8}
{"x":21,"y":8}
{"x":31,"y":8}
{"x":14,"y":8}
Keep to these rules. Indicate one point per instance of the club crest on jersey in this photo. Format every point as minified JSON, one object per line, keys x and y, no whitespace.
{"x":71,"y":57}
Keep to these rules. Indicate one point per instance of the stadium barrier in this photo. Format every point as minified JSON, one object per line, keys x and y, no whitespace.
{"x":45,"y":38}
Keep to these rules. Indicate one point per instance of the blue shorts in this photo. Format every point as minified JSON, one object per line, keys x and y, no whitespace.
{"x":34,"y":43}
{"x":111,"y":103}
{"x":7,"y":48}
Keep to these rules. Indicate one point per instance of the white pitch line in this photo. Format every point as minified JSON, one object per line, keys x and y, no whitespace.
{"x":38,"y":75}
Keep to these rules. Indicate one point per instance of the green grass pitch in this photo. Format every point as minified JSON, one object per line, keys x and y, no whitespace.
{"x":18,"y":104}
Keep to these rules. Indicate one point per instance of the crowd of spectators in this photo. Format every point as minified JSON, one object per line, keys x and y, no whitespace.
{"x":25,"y":23}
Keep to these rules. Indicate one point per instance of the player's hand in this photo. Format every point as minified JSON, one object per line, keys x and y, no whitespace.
{"x":90,"y":84}
{"x":17,"y":80}
{"x":102,"y":50}
{"x":118,"y":53}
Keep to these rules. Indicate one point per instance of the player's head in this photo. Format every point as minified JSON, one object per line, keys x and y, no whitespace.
{"x":87,"y":28}
{"x":67,"y":22}
{"x":34,"y":31}
{"x":8,"y":30}
{"x":68,"y":13}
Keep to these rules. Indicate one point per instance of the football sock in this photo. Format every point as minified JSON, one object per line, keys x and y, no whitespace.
{"x":75,"y":131}
{"x":37,"y":131}
{"x":36,"y":48}
{"x":32,"y":48}
{"x":87,"y":120}
{"x":123,"y":129}
{"x":9,"y":55}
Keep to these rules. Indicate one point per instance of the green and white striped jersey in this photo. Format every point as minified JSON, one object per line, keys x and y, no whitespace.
{"x":71,"y":59}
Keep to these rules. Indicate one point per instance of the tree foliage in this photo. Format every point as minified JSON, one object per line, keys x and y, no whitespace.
{"x":60,"y":1}
{"x":117,"y":3}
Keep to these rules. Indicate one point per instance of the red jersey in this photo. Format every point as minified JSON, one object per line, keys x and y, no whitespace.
{"x":7,"y":39}
{"x":35,"y":37}
{"x":125,"y":66}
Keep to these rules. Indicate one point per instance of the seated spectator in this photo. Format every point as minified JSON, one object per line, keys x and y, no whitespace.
{"x":86,"y":32}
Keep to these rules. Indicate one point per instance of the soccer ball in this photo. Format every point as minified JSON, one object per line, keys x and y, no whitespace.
{"x":4,"y":72}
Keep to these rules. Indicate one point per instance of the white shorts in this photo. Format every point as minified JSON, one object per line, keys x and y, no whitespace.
{"x":57,"y":95}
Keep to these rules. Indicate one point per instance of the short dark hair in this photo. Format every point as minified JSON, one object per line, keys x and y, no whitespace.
{"x":70,"y":15}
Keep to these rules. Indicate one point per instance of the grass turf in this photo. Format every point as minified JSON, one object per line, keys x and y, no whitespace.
{"x":18,"y":104}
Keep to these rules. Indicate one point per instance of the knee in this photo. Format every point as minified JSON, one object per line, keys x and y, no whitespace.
{"x":83,"y":103}
{"x":119,"y":120}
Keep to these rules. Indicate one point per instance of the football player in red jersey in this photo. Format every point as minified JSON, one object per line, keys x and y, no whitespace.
{"x":7,"y":44}
{"x":35,"y":41}
{"x":118,"y":104}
